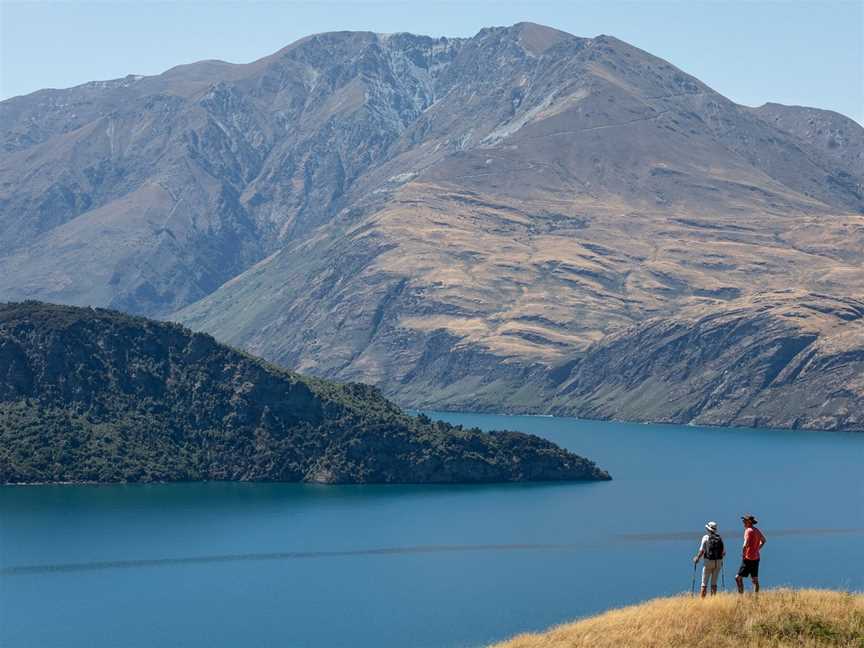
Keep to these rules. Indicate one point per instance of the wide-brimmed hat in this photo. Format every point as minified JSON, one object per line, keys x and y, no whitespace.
{"x":711,"y":527}
{"x":750,"y":518}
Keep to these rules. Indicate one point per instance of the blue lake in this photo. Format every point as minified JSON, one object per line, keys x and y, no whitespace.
{"x":289,"y":565}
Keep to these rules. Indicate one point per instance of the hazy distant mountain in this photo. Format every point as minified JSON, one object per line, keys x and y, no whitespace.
{"x":452,"y":219}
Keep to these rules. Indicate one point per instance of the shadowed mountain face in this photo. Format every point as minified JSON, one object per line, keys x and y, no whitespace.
{"x":148,"y":193}
{"x":787,"y":359}
{"x":448,"y":218}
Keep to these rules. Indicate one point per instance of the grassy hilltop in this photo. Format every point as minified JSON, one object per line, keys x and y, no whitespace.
{"x":774,"y":619}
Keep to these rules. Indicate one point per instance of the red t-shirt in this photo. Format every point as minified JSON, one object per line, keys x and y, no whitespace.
{"x":752,"y":540}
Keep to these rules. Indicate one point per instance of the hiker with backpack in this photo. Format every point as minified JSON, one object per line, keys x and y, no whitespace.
{"x":754,"y":540}
{"x":712,"y":552}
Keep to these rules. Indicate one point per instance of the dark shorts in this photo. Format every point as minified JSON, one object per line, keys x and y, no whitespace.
{"x":749,"y":568}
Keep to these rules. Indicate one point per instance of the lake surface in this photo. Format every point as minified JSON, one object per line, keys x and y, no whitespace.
{"x":288,"y":565}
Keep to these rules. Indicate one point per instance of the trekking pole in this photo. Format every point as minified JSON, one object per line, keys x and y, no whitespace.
{"x":723,"y":573}
{"x":693,"y":581}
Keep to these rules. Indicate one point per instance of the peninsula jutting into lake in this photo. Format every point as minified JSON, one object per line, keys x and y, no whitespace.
{"x":98,"y":396}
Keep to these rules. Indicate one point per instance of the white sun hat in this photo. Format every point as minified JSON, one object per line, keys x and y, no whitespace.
{"x":711,"y":527}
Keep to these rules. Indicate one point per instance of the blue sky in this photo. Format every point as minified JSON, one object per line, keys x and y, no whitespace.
{"x":791,"y":51}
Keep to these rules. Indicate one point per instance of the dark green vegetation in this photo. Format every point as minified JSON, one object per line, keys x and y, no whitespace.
{"x":96,"y":395}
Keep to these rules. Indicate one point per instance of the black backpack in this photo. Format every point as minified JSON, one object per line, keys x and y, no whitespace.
{"x":714,"y":547}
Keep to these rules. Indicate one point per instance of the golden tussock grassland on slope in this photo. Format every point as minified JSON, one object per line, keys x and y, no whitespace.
{"x":773,"y":619}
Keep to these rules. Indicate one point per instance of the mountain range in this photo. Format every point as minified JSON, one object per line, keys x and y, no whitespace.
{"x":524,"y":220}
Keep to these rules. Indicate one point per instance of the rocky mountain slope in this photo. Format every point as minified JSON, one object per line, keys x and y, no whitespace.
{"x":100,"y":396}
{"x":783,"y":359}
{"x":446,"y":218}
{"x":786,"y":360}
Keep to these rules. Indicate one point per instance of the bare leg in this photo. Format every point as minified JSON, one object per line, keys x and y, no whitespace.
{"x":704,"y":590}
{"x":740,"y":583}
{"x":755,"y":580}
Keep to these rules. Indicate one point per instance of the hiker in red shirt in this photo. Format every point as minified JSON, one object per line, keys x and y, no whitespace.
{"x":753,"y":542}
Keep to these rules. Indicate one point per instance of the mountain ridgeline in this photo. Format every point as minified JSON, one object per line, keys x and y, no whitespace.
{"x":99,"y":396}
{"x":463,"y":222}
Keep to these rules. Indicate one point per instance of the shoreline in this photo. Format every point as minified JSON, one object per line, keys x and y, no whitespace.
{"x":532,"y":413}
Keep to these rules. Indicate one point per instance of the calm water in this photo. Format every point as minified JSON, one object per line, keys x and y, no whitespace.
{"x":391,"y":566}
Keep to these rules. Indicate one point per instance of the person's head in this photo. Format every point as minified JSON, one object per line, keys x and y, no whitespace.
{"x":711,"y":527}
{"x":748,"y":521}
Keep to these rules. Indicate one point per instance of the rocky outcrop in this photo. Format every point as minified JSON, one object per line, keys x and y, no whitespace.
{"x":98,"y":396}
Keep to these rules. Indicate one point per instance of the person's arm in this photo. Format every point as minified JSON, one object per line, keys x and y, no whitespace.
{"x":762,"y":540}
{"x":701,"y":550}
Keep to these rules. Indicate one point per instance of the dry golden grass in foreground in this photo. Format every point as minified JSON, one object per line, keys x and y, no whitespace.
{"x":782,"y":617}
